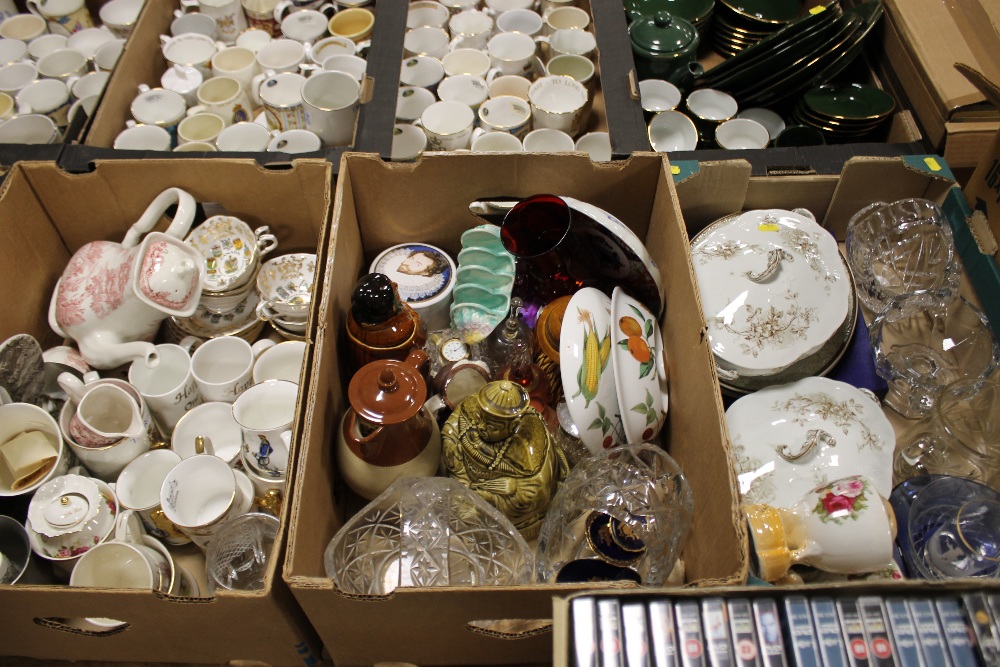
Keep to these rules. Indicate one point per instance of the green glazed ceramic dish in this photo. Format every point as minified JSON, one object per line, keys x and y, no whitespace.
{"x":852,"y":101}
{"x":693,"y":11}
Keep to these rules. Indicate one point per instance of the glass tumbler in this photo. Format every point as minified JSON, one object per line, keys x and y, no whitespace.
{"x":238,"y":556}
{"x":905,"y":246}
{"x":960,"y":437}
{"x":924,"y":341}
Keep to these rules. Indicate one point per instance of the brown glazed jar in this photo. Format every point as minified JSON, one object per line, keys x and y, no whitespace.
{"x":380,"y":325}
{"x":387,"y":432}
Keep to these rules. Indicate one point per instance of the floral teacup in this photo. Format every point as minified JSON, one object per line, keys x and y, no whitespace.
{"x":232,"y":251}
{"x":285,"y":284}
{"x":70,"y":514}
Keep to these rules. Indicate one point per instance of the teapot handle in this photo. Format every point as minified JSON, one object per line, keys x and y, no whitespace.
{"x":364,"y":443}
{"x":182,"y":219}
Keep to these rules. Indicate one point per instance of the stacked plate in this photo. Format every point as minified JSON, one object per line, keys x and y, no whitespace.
{"x":844,"y":111}
{"x":739,"y":24}
{"x":804,"y":53}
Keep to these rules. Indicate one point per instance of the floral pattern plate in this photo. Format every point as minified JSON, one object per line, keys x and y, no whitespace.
{"x":639,"y":368}
{"x":792,"y":438}
{"x":587,"y":374}
{"x":774,"y":288}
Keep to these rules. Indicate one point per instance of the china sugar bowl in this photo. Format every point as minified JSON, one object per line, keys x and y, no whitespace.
{"x":777,"y":296}
{"x":68,"y":515}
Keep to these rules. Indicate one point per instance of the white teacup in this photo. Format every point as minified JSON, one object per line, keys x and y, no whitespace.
{"x":237,"y":62}
{"x":510,"y":84}
{"x":49,"y":97}
{"x":294,"y":141}
{"x":496,"y":142}
{"x":306,"y":25}
{"x":597,"y":145}
{"x":157,"y":106}
{"x":656,"y":95}
{"x":169,"y":387}
{"x":466,"y":61}
{"x":422,"y":71}
{"x":214,"y":423}
{"x":119,"y":16}
{"x":194,"y":23}
{"x":672,"y":131}
{"x":411,"y":102}
{"x":13,"y":50}
{"x":138,"y":489}
{"x":426,"y":13}
{"x":281,"y":362}
{"x":30,"y":129}
{"x":62,"y":64}
{"x":511,"y":52}
{"x":425,"y":41}
{"x":106,"y":56}
{"x":558,"y":102}
{"x":196,"y":147}
{"x":741,"y":133}
{"x":16,"y":76}
{"x":506,"y":114}
{"x":25,"y":27}
{"x":330,"y":46}
{"x":448,"y":125}
{"x":92,"y":83}
{"x":342,"y":62}
{"x":88,"y":40}
{"x":38,"y":47}
{"x":520,"y":19}
{"x":408,"y":142}
{"x":201,"y":493}
{"x":566,"y":17}
{"x":470,"y":29}
{"x":191,"y":49}
{"x":570,"y":41}
{"x":202,"y":126}
{"x":468,"y":89}
{"x":224,"y":97}
{"x":331,"y":103}
{"x":548,"y":140}
{"x":222,"y":367}
{"x":265,"y":412}
{"x":578,"y":68}
{"x":123,"y":565}
{"x":139,"y":137}
{"x":244,"y":137}
{"x":254,"y":39}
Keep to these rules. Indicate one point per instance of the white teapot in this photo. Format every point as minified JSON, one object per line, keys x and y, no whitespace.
{"x":112,"y":297}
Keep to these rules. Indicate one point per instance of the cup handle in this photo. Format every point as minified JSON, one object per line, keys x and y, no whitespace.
{"x":143,"y":88}
{"x":279,"y":9}
{"x":72,"y":385}
{"x":435,"y":404}
{"x":263,"y":310}
{"x":5,"y":397}
{"x":128,"y":527}
{"x":164,"y":40}
{"x":492,"y":74}
{"x":266,"y":241}
{"x":189,"y":343}
{"x":188,"y":6}
{"x":70,"y":80}
{"x":23,"y":108}
{"x":307,"y":69}
{"x":198,"y":108}
{"x":363,"y":45}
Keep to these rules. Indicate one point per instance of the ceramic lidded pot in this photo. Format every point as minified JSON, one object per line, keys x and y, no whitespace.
{"x":380,"y":325}
{"x":843,"y":526}
{"x":387,"y":433}
{"x":665,"y":47}
{"x":70,"y":514}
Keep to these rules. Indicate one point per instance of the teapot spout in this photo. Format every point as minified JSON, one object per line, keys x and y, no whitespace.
{"x":102,"y":355}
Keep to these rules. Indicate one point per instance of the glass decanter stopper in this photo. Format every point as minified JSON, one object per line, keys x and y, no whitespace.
{"x":511,"y":350}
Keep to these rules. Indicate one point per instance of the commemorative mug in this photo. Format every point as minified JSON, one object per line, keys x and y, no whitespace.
{"x":191,"y":49}
{"x":281,"y":94}
{"x":260,"y":15}
{"x":470,"y":29}
{"x":228,"y":14}
{"x":237,"y":62}
{"x":63,"y":16}
{"x":448,"y":125}
{"x":511,"y":53}
{"x":466,"y":61}
{"x":222,"y":367}
{"x":169,"y":387}
{"x":506,"y":113}
{"x":265,"y":413}
{"x":558,"y":102}
{"x":157,"y":106}
{"x":223,"y":96}
{"x":201,"y":493}
{"x":331,"y":103}
{"x":138,"y":489}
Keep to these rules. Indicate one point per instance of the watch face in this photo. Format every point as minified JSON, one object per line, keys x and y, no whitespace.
{"x":454,"y":349}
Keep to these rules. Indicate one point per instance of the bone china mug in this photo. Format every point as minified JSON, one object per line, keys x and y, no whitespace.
{"x":64,"y":16}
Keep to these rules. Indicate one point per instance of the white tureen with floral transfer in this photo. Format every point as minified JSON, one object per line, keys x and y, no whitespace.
{"x":774,"y":289}
{"x":791,"y":438}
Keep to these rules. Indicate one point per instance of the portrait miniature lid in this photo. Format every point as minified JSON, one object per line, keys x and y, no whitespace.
{"x":423,"y":273}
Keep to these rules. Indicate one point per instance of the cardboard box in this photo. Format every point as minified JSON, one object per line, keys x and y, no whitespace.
{"x":142,"y":62}
{"x":922,"y":40}
{"x":457,"y":625}
{"x":707,"y":191}
{"x":45,"y":216}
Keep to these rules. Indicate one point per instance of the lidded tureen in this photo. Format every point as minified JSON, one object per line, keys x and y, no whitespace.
{"x":776,"y":292}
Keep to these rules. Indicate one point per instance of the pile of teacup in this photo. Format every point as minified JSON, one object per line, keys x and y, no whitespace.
{"x":261,"y":75}
{"x":54,"y":60}
{"x":497,"y":76}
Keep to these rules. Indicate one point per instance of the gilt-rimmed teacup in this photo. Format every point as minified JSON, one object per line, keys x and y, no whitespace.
{"x":285,"y":284}
{"x":232,"y":250}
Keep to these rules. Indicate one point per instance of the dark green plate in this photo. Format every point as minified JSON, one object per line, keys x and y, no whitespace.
{"x":765,"y":11}
{"x":849,"y":101}
{"x":768,"y":46}
{"x":824,"y":68}
{"x":781,"y":71}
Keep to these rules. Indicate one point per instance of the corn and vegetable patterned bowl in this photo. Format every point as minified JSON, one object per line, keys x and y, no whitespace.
{"x":587,"y":373}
